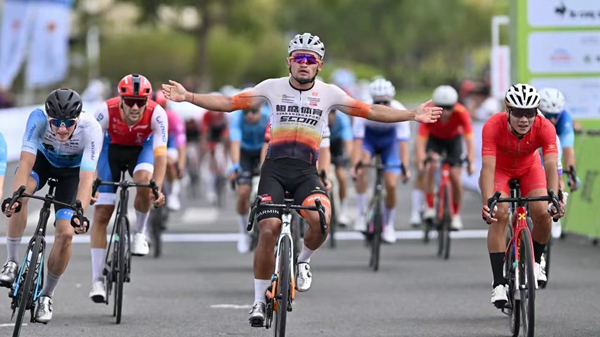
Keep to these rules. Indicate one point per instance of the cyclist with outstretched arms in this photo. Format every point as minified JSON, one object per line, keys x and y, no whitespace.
{"x":341,"y":141}
{"x":176,"y":151}
{"x":135,"y":137}
{"x":247,"y":130}
{"x":299,"y":107}
{"x":509,"y":151}
{"x":3,"y":156}
{"x":391,"y":142}
{"x":446,"y":136}
{"x":59,"y":142}
{"x":552,"y":103}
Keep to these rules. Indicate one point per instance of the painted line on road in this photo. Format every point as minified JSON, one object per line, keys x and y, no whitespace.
{"x":6,"y":325}
{"x":231,"y":306}
{"x":233,"y":237}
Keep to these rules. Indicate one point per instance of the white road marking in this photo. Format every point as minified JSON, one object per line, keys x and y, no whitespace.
{"x":6,"y":325}
{"x":231,"y":306}
{"x":233,"y":237}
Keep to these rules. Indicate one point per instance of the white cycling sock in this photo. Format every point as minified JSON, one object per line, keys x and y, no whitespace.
{"x":97,"y":263}
{"x":50,"y":284}
{"x":305,"y":254}
{"x":360,"y":202}
{"x":141,"y":218}
{"x":390,"y":214}
{"x":260,"y":288}
{"x":175,"y":187}
{"x":243,"y":222}
{"x":417,"y":201}
{"x":12,"y":246}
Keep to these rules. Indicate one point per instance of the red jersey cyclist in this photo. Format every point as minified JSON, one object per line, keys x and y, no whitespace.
{"x":135,"y":139}
{"x":510,"y":151}
{"x":446,"y":136}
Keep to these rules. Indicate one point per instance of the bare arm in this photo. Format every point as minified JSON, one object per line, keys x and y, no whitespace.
{"x":263,"y":152}
{"x":160,"y":169}
{"x":349,"y":146}
{"x":25,"y":166}
{"x":569,"y":157}
{"x":550,"y":164}
{"x":404,"y":154}
{"x":425,"y":113}
{"x":470,"y":149}
{"x":181,"y":159}
{"x":324,"y":162}
{"x":382,"y":113}
{"x":84,"y":191}
{"x":486,"y":180}
{"x":356,"y":154}
{"x":210,"y":102}
{"x":1,"y":186}
{"x":235,"y":152}
{"x":420,"y":147}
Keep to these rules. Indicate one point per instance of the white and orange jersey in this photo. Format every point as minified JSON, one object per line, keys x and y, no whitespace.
{"x":298,"y":117}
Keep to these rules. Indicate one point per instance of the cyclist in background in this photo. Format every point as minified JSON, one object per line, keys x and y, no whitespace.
{"x":136,"y":132}
{"x":247,"y":132}
{"x":552,"y":103}
{"x":446,"y":136}
{"x":340,"y":128}
{"x":3,"y":156}
{"x":59,"y":142}
{"x":510,"y":143}
{"x":390,"y":140}
{"x":214,"y":129}
{"x":176,"y":152}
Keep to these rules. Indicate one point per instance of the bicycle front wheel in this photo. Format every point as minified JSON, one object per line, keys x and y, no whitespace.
{"x":527,"y":283}
{"x":156,"y":219}
{"x":376,"y":244}
{"x":25,"y":290}
{"x":282,"y":293}
{"x":447,"y":219}
{"x":332,"y":223}
{"x":120,"y":279}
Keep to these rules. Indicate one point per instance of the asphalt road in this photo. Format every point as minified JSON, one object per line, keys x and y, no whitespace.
{"x":201,"y":288}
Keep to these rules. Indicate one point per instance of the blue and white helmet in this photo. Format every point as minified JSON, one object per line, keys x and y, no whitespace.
{"x":552,"y":101}
{"x":309,"y":42}
{"x":381,"y":87}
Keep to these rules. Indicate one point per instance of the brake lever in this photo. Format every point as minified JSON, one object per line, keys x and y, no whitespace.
{"x":321,"y":211}
{"x":492,"y":202}
{"x":95,"y":186}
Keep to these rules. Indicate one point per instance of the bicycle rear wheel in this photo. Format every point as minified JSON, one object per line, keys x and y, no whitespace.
{"x":376,"y":243}
{"x":156,"y":224}
{"x":25,"y":291}
{"x":333,"y":222}
{"x":514,"y":304}
{"x":282,"y":293}
{"x":526,"y":284}
{"x":446,"y":222}
{"x":120,"y":274}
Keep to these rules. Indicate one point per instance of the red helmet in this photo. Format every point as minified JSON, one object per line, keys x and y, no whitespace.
{"x":160,"y":98}
{"x":135,"y":85}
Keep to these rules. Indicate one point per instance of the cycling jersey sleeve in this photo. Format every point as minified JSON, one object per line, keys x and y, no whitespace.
{"x":347,"y":104}
{"x":489,"y":138}
{"x":402,"y":131}
{"x":358,"y":129}
{"x":465,"y":121}
{"x":36,"y":125}
{"x":423,"y":131}
{"x":102,"y":116}
{"x":547,"y":137}
{"x":346,"y":125}
{"x":3,"y":155}
{"x":93,"y":146}
{"x":235,"y":130}
{"x":160,"y":127}
{"x":253,"y":98}
{"x":566,"y":133}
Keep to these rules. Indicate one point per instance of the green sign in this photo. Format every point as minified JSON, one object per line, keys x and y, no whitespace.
{"x":556,"y":43}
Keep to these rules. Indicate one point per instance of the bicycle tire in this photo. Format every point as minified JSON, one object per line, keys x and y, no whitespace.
{"x":446,"y":223}
{"x":547,"y":259}
{"x":377,"y":229}
{"x":526,"y":275}
{"x":156,"y":218}
{"x":120,"y":279}
{"x":427,"y":224}
{"x":282,"y":294}
{"x":514,"y":319}
{"x":26,"y":291}
{"x":332,"y":223}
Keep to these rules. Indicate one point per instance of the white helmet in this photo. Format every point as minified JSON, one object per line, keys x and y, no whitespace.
{"x":307,"y":41}
{"x":522,"y":96}
{"x":551,"y":101}
{"x":445,"y":96}
{"x":382,"y":87}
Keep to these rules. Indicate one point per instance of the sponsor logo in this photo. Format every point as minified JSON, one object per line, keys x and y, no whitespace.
{"x":140,"y":127}
{"x":265,"y":197}
{"x":298,"y":119}
{"x":561,"y":55}
{"x":288,"y":99}
{"x":314,"y":93}
{"x":163,"y":130}
{"x":93,"y":150}
{"x":31,"y":131}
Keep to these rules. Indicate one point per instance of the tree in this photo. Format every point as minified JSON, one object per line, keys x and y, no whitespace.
{"x":238,"y":16}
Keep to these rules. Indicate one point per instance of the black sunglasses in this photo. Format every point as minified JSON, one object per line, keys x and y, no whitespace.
{"x":520,"y":113}
{"x":245,"y":112}
{"x":382,"y":102}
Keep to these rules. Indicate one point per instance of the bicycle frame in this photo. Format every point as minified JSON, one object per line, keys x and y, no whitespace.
{"x":519,"y":223}
{"x":444,"y":182}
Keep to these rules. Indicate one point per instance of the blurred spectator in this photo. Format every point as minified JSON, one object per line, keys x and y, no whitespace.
{"x":466,"y":88}
{"x":97,"y":90}
{"x":7,"y":99}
